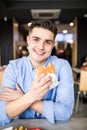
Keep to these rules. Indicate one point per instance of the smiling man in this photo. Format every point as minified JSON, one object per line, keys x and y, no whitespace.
{"x":26,"y":96}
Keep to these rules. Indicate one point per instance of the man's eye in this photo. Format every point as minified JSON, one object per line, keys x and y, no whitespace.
{"x":36,"y":40}
{"x":48,"y":42}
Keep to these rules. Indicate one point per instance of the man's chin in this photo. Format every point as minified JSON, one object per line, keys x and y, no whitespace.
{"x":40,"y":59}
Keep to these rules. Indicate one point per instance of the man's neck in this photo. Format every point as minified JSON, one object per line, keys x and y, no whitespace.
{"x":37,"y":64}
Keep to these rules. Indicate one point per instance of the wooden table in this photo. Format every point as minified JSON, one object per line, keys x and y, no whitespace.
{"x":72,"y":124}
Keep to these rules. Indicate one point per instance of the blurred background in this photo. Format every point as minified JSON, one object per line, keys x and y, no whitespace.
{"x":70,"y":17}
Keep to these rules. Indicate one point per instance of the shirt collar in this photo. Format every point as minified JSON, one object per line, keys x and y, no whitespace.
{"x":30,"y":65}
{"x":46,"y":64}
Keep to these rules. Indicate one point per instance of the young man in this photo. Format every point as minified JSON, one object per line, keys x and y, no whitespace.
{"x":24,"y":95}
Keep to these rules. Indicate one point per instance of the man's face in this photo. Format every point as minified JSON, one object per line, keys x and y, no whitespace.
{"x":40,"y":42}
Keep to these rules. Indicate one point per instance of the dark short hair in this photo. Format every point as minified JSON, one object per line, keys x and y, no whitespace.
{"x":46,"y":24}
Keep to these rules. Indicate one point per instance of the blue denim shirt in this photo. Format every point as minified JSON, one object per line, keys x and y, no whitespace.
{"x":57,"y":103}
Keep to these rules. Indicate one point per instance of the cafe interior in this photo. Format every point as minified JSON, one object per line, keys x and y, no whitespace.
{"x":70,"y":17}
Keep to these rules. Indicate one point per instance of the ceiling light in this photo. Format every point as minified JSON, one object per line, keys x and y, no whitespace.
{"x":20,"y":47}
{"x":65,"y":31}
{"x":71,"y":24}
{"x":5,"y":19}
{"x":85,"y":15}
{"x":29,"y":24}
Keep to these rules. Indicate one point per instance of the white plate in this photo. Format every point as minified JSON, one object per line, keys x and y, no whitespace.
{"x":8,"y":128}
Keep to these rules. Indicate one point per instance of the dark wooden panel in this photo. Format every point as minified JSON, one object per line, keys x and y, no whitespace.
{"x":82,"y":39}
{"x":6,"y":41}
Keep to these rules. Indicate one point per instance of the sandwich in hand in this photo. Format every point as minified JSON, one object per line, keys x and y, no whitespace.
{"x":50,"y":71}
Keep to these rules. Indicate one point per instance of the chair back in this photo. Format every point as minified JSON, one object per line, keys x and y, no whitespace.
{"x":83,"y":81}
{"x":1,"y":76}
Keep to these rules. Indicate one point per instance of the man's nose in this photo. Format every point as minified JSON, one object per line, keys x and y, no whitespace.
{"x":41,"y":45}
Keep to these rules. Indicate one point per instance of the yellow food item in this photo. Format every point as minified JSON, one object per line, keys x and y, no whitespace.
{"x":42,"y":69}
{"x":20,"y":128}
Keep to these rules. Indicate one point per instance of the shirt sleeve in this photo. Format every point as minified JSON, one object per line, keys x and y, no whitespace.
{"x":4,"y":119}
{"x":8,"y":80}
{"x":61,"y":107}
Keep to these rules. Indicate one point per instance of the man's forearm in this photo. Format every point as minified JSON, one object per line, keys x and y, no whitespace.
{"x":37,"y":106}
{"x":14,"y":108}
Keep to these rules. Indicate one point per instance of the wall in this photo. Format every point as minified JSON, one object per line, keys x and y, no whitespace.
{"x":82,"y":39}
{"x":74,"y":48}
{"x":6,"y":41}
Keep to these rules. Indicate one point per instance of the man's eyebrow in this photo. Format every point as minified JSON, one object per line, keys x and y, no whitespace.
{"x":44,"y":40}
{"x":35,"y":37}
{"x":49,"y":40}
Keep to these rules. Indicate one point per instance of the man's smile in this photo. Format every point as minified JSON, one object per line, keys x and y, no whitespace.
{"x":39,"y":52}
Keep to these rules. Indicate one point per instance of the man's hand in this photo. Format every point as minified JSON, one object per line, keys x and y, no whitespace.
{"x":40,"y":86}
{"x":10,"y":94}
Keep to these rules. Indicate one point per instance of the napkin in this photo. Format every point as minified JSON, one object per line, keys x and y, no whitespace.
{"x":54,"y":80}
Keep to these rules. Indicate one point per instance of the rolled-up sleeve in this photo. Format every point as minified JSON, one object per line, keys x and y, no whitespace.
{"x":48,"y":111}
{"x":4,"y":119}
{"x":8,"y":80}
